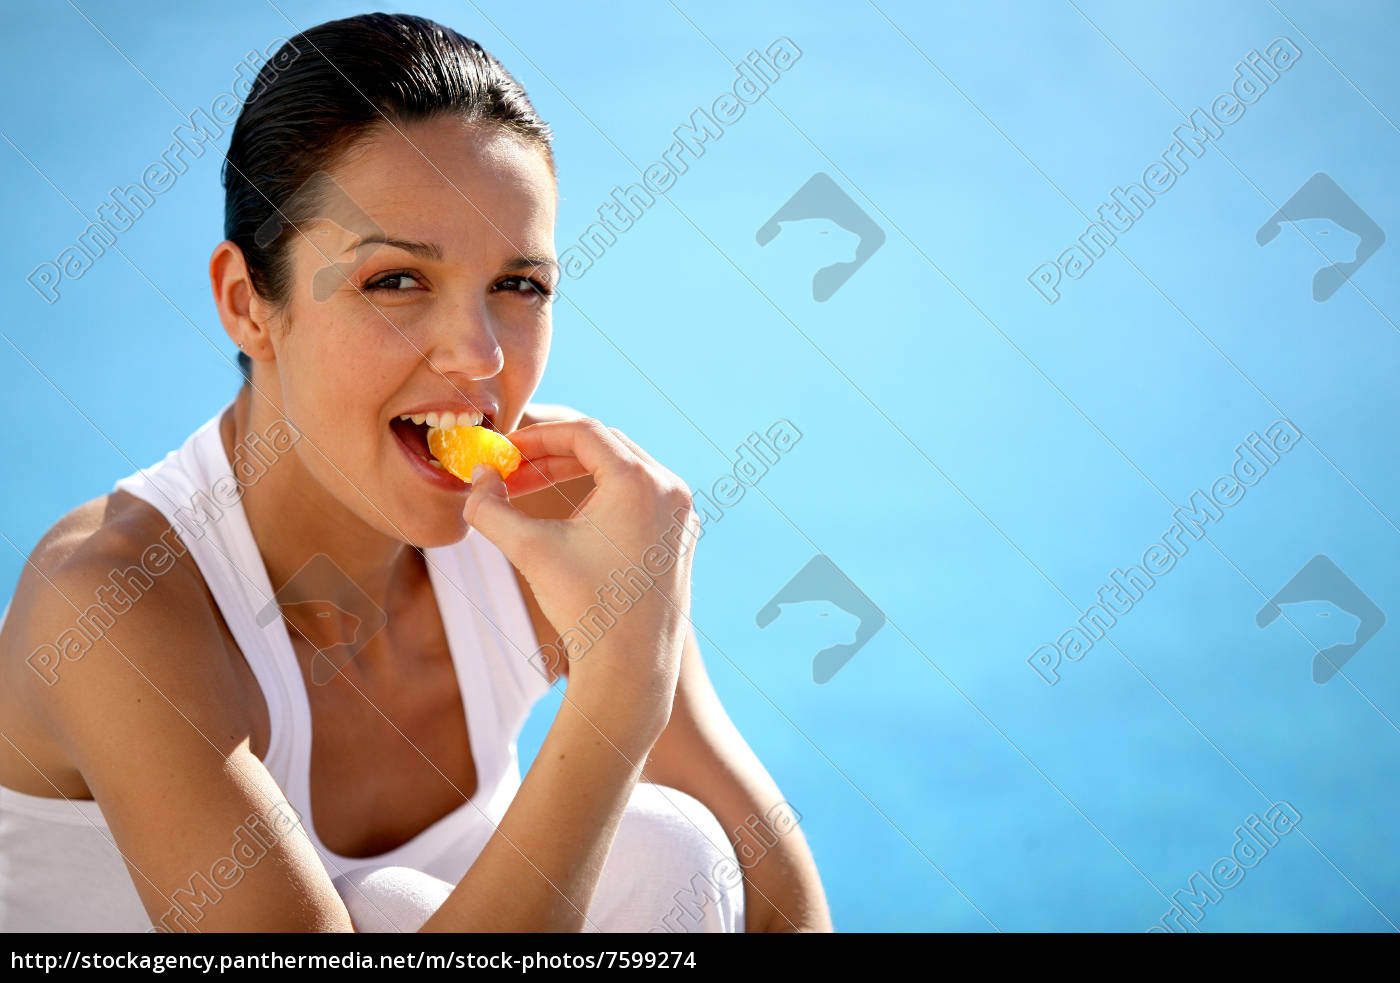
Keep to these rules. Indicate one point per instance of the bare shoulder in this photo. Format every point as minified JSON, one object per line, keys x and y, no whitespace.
{"x":110,"y":612}
{"x":143,"y":714}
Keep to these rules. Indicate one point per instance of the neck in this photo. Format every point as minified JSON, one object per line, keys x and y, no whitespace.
{"x":293,"y":519}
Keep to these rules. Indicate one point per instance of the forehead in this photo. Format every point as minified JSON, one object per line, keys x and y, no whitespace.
{"x":470,"y":187}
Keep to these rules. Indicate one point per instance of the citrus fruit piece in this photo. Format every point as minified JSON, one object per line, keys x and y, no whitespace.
{"x":460,"y":449}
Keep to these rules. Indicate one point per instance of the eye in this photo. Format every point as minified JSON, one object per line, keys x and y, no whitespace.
{"x":528,"y":286}
{"x":394,"y":282}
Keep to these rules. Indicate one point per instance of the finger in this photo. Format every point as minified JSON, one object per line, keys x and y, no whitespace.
{"x":488,"y":509}
{"x":581,"y":505}
{"x":537,"y":473}
{"x":587,"y":440}
{"x":635,"y":447}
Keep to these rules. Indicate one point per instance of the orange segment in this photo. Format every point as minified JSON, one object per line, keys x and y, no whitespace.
{"x":459,"y":449}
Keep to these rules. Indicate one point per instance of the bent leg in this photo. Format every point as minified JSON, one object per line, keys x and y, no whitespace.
{"x":391,"y":899}
{"x":671,"y":869}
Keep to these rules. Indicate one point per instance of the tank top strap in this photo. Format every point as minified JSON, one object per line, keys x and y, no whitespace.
{"x":195,"y":489}
{"x":489,"y":634}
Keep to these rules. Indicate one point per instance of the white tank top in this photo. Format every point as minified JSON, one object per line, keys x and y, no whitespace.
{"x":60,"y":869}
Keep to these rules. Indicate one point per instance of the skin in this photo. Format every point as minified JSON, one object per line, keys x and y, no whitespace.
{"x":165,"y":705}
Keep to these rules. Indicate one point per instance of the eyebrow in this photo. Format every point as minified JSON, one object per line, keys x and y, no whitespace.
{"x":530,"y":262}
{"x":430,"y":249}
{"x":433,"y":251}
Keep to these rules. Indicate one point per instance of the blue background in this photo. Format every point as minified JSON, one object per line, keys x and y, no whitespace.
{"x":977,"y":460}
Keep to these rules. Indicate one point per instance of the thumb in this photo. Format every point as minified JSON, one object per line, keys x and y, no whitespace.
{"x":488,"y":509}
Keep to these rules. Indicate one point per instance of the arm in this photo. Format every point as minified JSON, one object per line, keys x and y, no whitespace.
{"x":150,"y":720}
{"x":541,"y":867}
{"x":563,"y":821}
{"x":702,"y":754}
{"x":149,"y":717}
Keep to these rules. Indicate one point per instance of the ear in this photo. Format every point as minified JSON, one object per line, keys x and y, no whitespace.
{"x":244,"y":314}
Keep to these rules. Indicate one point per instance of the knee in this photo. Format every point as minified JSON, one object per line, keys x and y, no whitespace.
{"x":391,"y":899}
{"x":671,"y":869}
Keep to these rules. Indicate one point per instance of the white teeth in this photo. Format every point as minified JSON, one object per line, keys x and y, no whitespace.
{"x":446,"y":421}
{"x":438,"y":465}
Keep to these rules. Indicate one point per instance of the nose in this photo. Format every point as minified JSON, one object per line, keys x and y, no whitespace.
{"x":463,"y":342}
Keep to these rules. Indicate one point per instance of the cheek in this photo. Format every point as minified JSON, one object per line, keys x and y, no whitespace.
{"x":333,"y":366}
{"x":525,"y":357}
{"x":317,"y":368}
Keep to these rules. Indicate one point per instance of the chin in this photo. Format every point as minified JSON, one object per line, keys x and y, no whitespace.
{"x":427,"y":534}
{"x":422,"y":527}
{"x":433,"y":542}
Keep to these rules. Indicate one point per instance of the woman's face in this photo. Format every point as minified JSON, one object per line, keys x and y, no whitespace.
{"x":423,"y":287}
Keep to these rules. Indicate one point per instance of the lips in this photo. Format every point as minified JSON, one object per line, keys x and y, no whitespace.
{"x":411,"y":430}
{"x":415,"y":437}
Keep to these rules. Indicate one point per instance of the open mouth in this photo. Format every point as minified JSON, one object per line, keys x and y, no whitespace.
{"x":412,"y":430}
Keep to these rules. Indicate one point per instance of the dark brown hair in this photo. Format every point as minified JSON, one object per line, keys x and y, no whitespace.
{"x":324,"y":90}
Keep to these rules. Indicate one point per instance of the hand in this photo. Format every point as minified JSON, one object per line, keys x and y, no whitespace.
{"x":569,"y":563}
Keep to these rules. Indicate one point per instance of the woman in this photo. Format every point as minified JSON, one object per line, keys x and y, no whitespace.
{"x":294,"y":701}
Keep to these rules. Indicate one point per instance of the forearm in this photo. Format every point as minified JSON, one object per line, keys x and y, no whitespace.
{"x":541,"y":867}
{"x":702,"y":754}
{"x":782,"y":889}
